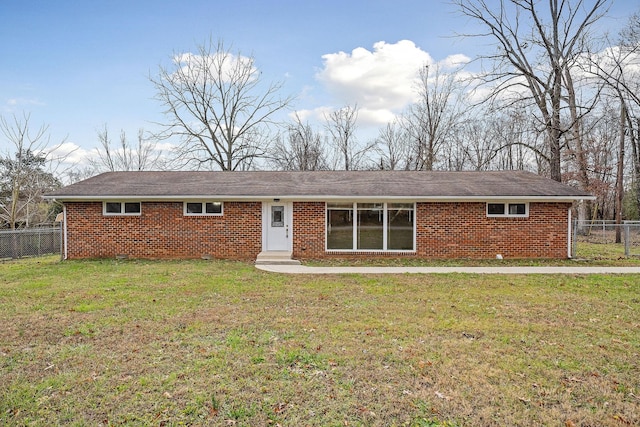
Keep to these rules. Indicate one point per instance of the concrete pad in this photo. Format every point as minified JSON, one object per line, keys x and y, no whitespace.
{"x":276,"y":258}
{"x":303,"y":269}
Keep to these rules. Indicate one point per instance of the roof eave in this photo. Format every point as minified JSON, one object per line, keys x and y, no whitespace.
{"x":316,"y":198}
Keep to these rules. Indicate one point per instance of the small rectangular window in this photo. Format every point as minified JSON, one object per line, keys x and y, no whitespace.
{"x":277,"y":216}
{"x":507,"y":210}
{"x":132,"y":208}
{"x":121,"y":208}
{"x":113,"y":208}
{"x":214,"y":207}
{"x":194,"y":208}
{"x":203,"y":208}
{"x":517,"y":209}
{"x":495,"y":208}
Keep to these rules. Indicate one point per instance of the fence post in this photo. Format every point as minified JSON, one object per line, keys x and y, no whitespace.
{"x":627,"y":237}
{"x":574,"y":235}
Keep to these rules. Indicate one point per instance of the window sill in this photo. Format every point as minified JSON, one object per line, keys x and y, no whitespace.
{"x":368,"y":252}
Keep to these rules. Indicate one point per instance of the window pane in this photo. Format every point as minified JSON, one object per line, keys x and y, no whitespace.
{"x":400,"y":206}
{"x":370,"y":206}
{"x":339,"y":205}
{"x":370,"y":228}
{"x":194,"y":208}
{"x":340,"y":228}
{"x":132,"y":207}
{"x":112,"y":207}
{"x":277,"y":216}
{"x":214,"y":208}
{"x":400,"y":227}
{"x":495,"y":208}
{"x":517,"y":209}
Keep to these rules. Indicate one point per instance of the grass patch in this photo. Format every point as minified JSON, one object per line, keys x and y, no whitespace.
{"x":587,"y":254}
{"x":221,"y":343}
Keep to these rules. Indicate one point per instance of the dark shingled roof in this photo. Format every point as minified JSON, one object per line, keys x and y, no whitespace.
{"x":318,"y":185}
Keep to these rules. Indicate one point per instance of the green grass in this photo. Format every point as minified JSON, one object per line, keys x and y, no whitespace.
{"x":587,"y":254}
{"x":606,"y":251}
{"x":220,"y":343}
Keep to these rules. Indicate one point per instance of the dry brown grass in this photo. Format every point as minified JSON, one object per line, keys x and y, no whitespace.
{"x":217,"y":343}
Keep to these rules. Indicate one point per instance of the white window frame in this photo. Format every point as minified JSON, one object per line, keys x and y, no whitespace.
{"x":385,"y":210}
{"x":122,"y":208}
{"x":204,"y":208}
{"x":506,"y":213}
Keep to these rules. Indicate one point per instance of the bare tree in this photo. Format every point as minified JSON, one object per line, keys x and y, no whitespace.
{"x":393,"y":146}
{"x":536,"y":50}
{"x":218,"y":106}
{"x":341,"y":126}
{"x":23,"y":174}
{"x":617,"y":67}
{"x":124,"y":156}
{"x":601,"y":139}
{"x":519,"y":146}
{"x":630,"y":46}
{"x":303,"y":149}
{"x":431,"y":120}
{"x":473,"y":146}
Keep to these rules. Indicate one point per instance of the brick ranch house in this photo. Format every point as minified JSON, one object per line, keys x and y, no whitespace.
{"x":307,"y":215}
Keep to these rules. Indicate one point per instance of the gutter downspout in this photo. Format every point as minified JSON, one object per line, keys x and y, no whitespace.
{"x":64,"y":226}
{"x":569,"y":234}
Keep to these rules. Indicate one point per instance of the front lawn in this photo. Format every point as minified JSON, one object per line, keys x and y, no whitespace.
{"x":221,"y":343}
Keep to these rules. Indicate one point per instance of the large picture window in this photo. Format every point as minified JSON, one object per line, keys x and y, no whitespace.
{"x":400,"y":226}
{"x":370,"y":229}
{"x":340,"y":226}
{"x":371,"y":226}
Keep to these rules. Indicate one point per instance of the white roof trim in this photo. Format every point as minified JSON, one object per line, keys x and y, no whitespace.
{"x":322,"y":198}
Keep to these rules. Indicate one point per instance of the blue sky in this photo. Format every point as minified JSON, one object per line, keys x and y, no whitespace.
{"x":80,"y":65}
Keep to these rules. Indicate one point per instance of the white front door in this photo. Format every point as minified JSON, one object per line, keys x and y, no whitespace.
{"x":277,"y":226}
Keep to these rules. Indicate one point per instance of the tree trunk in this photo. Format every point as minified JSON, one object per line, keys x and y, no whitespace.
{"x":635,"y":147}
{"x":577,"y":146}
{"x":555,"y":160}
{"x":619,"y":178}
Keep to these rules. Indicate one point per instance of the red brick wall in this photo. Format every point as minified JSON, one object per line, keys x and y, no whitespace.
{"x":444,"y":230}
{"x":162,"y":231}
{"x":454,"y":230}
{"x":308,"y":229}
{"x":463,"y":230}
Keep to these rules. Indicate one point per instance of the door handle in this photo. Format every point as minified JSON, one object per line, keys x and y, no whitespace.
{"x":286,"y":229}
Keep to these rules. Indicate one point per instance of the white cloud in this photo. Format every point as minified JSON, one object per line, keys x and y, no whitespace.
{"x":613,"y":61}
{"x":378,"y":79}
{"x":375,"y":117}
{"x":453,"y":62}
{"x":311,"y":115}
{"x":381,"y":82}
{"x":70,"y":153}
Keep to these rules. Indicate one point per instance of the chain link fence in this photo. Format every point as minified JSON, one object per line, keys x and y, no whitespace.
{"x":30,"y":242}
{"x":593,"y":239}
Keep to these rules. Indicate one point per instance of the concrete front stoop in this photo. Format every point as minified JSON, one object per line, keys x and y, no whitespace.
{"x":276,"y":258}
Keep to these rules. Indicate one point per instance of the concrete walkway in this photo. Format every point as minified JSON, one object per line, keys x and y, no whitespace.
{"x":303,"y":269}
